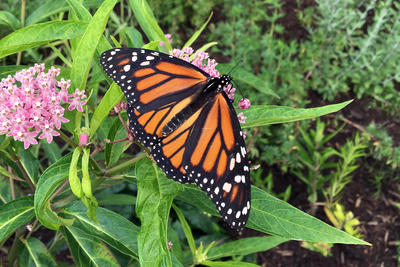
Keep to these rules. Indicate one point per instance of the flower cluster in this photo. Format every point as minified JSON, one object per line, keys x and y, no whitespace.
{"x":201,"y":60}
{"x":30,"y":104}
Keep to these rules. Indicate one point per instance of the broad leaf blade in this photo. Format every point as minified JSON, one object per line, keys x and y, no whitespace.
{"x":35,"y":253}
{"x":148,"y":23}
{"x":113,"y":229}
{"x":45,"y":10}
{"x":83,"y":55}
{"x":86,"y":249}
{"x":30,"y":164}
{"x":264,"y":115}
{"x":15,"y":214}
{"x":48,"y":183}
{"x":245,"y":246}
{"x":113,"y":151}
{"x":112,"y":97}
{"x":273,"y":216}
{"x":154,"y":199}
{"x":40,"y":34}
{"x":8,"y":19}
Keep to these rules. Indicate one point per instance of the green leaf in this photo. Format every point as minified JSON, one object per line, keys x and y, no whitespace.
{"x":265,"y":115}
{"x":45,"y":10}
{"x":86,"y":249}
{"x":40,"y":34}
{"x":154,"y":199}
{"x":48,"y":183}
{"x":148,"y":23}
{"x":113,"y":229}
{"x":245,"y":246}
{"x":35,"y":253}
{"x":84,"y":53}
{"x":15,"y":214}
{"x":197,"y":33}
{"x":30,"y":164}
{"x":113,"y":151}
{"x":273,"y":216}
{"x":8,"y":19}
{"x":5,"y":190}
{"x":228,"y":264}
{"x":243,"y":76}
{"x":112,"y":97}
{"x":52,"y":151}
{"x":133,"y":37}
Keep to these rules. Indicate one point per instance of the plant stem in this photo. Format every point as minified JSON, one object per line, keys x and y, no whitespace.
{"x":124,"y":165}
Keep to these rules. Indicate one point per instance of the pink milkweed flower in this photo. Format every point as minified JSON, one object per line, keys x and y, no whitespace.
{"x":30,"y":104}
{"x":244,"y":103}
{"x":169,"y":38}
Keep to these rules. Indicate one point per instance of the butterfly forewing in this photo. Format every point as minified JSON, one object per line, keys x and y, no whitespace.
{"x":206,"y":147}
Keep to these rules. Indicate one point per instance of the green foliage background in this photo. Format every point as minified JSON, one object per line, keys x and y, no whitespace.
{"x":347,"y":50}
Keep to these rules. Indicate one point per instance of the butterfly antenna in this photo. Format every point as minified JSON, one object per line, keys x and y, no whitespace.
{"x":238,"y":87}
{"x":234,"y":67}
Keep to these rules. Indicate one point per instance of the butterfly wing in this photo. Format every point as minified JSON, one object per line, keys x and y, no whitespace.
{"x":208,"y":149}
{"x":157,"y":86}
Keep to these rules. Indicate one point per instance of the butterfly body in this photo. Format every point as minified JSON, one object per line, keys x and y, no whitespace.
{"x":188,"y":122}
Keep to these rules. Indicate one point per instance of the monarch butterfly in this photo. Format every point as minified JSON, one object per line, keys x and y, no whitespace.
{"x":188,"y":122}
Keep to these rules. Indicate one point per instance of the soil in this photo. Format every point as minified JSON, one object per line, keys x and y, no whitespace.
{"x":379,"y":217}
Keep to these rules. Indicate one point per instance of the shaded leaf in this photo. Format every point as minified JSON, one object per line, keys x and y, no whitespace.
{"x":245,"y":246}
{"x":48,"y":183}
{"x":15,"y":214}
{"x":113,"y":228}
{"x":264,"y":115}
{"x":8,"y":19}
{"x":273,"y":216}
{"x":86,"y":249}
{"x":154,"y":199}
{"x":35,"y":253}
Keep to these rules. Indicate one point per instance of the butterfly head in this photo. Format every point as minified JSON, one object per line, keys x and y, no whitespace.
{"x":225,"y":79}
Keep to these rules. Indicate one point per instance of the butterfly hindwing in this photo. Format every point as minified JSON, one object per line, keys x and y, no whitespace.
{"x":216,"y":159}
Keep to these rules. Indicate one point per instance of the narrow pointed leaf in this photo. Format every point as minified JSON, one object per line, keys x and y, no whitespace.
{"x":8,"y":19}
{"x":245,"y":246}
{"x":112,"y":97}
{"x":48,"y":183}
{"x":197,"y":33}
{"x":147,"y":22}
{"x":86,"y":249}
{"x":30,"y":164}
{"x":35,"y":253}
{"x":112,"y":229}
{"x":83,"y":55}
{"x":154,"y":199}
{"x":273,"y":216}
{"x":15,"y":214}
{"x":264,"y":115}
{"x":39,"y":34}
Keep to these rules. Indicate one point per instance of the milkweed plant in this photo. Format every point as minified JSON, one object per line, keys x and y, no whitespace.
{"x":64,"y":190}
